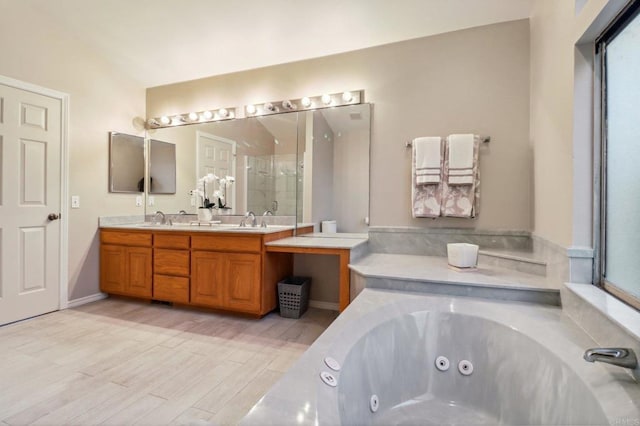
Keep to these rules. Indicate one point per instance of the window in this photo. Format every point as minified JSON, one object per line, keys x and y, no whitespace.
{"x":619,"y":52}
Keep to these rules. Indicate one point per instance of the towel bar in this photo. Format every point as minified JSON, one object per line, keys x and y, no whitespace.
{"x":483,"y":139}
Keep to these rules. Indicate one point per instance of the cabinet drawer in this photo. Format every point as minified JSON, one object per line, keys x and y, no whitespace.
{"x":171,"y":241}
{"x":171,"y":262}
{"x":171,"y":289}
{"x":240,"y":243}
{"x":140,"y":239}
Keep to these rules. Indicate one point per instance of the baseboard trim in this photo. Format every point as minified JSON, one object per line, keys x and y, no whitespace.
{"x":330,"y":306}
{"x":87,"y":299}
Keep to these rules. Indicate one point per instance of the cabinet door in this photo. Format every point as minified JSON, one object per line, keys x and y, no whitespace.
{"x":138,"y":271}
{"x":242,"y":282}
{"x":112,"y":268}
{"x":207,"y":271}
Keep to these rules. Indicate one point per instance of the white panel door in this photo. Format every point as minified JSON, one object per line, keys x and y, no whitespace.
{"x":217,"y":155}
{"x":30,"y":185}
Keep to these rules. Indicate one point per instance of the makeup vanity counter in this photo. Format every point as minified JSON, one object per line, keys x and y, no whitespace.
{"x":348,"y":248}
{"x":224,"y":267}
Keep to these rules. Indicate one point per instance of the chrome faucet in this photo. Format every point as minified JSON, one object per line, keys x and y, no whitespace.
{"x":162,"y":216}
{"x":622,"y":357}
{"x":254,"y":221}
{"x":266,"y":213}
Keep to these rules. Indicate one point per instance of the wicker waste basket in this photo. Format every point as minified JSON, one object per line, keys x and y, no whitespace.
{"x":293,"y":296}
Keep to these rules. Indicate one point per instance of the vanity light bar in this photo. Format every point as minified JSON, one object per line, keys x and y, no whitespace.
{"x":328,"y":100}
{"x":192,"y":117}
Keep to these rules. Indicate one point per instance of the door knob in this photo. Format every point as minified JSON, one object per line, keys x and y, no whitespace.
{"x":53,"y":216}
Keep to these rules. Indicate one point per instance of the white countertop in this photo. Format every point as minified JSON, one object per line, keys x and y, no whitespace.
{"x":322,"y":240}
{"x":186,"y":227}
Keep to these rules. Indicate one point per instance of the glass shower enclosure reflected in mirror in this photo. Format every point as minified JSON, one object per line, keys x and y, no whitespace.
{"x":126,"y":163}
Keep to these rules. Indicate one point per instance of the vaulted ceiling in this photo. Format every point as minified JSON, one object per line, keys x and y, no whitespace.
{"x":159,"y":42}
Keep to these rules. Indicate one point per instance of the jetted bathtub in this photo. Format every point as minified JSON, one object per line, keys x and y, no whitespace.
{"x":397,"y":358}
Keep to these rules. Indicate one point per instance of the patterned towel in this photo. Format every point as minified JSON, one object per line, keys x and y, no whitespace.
{"x":461,"y":200}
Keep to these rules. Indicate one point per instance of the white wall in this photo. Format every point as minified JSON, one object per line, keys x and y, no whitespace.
{"x":102,"y":99}
{"x":562,"y":125}
{"x":551,"y":118}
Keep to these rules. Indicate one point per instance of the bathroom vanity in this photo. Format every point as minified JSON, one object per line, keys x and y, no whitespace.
{"x":220,"y":268}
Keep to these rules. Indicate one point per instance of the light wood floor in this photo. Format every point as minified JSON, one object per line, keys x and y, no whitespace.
{"x":121,"y":362}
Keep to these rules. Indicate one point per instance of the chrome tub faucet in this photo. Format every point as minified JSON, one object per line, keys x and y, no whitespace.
{"x":622,"y":357}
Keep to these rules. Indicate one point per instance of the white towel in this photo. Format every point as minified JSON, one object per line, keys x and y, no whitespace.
{"x":461,"y":159}
{"x":428,"y":159}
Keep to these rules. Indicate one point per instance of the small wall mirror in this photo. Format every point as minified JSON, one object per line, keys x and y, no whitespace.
{"x":162,"y":167}
{"x":126,"y":163}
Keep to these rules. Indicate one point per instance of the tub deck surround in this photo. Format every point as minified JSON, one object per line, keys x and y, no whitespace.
{"x":527,"y":363}
{"x":520,"y":260}
{"x":431,"y":274}
{"x":348,"y":247}
{"x":609,"y":321}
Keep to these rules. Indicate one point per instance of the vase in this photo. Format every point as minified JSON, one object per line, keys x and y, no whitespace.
{"x":204,"y":214}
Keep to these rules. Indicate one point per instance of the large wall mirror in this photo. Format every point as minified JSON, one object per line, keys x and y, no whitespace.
{"x":309,"y":166}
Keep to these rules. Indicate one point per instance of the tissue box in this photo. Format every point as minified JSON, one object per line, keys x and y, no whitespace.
{"x":462,"y":255}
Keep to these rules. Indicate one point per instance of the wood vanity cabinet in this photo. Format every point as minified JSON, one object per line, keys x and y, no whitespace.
{"x":125,"y":263}
{"x":229,"y":271}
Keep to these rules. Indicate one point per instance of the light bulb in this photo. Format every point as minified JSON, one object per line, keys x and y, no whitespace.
{"x":153,"y":122}
{"x":347,"y":96}
{"x":207,"y":115}
{"x":287,"y":105}
{"x":165,"y":120}
{"x":269,"y":107}
{"x":193,"y":116}
{"x":306,"y":102}
{"x":177,"y":120}
{"x":326,"y":99}
{"x":251,"y":109}
{"x":222,"y":112}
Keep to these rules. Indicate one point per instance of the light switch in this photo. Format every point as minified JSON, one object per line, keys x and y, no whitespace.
{"x":75,"y":201}
{"x":138,"y":201}
{"x":152,"y":200}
